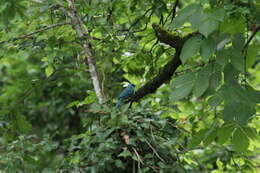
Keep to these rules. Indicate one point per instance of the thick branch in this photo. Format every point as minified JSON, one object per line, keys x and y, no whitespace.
{"x":164,"y":75}
{"x":82,"y":34}
{"x":35,"y":32}
{"x":166,"y":72}
{"x":168,"y":38}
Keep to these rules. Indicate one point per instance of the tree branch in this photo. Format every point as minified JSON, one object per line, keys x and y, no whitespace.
{"x":35,"y":32}
{"x":173,"y":11}
{"x":84,"y":37}
{"x":251,"y":37}
{"x":138,"y":19}
{"x":166,"y":72}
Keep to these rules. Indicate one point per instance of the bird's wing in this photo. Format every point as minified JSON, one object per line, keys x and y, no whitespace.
{"x":126,"y":92}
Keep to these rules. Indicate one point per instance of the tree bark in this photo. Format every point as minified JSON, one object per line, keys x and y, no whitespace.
{"x":83,"y":36}
{"x":166,"y":72}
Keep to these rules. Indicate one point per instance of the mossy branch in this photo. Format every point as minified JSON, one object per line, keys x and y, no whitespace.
{"x":167,"y":71}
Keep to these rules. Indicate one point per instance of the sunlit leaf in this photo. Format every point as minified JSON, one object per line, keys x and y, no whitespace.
{"x":49,"y":70}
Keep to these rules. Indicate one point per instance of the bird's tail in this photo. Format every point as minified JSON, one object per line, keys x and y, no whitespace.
{"x":119,"y":103}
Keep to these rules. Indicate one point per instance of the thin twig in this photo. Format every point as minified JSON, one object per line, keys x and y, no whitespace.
{"x":139,"y":160}
{"x":138,"y":19}
{"x":179,"y":128}
{"x":250,"y":38}
{"x":35,"y":32}
{"x":141,"y":30}
{"x":175,"y":9}
{"x":155,"y":152}
{"x":172,"y":12}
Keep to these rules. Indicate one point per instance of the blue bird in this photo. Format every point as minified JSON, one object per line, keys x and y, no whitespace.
{"x":126,"y":93}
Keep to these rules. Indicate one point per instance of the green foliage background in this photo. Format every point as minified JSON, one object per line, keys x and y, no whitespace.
{"x":206,"y":119}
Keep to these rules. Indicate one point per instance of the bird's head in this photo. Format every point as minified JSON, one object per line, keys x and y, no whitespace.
{"x":133,"y":85}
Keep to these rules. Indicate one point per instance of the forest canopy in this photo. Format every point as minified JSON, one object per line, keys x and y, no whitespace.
{"x":193,"y":106}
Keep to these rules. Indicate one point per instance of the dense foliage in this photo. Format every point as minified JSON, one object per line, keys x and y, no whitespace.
{"x":195,"y":65}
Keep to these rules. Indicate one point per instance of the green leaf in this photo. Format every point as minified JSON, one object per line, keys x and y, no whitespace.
{"x":233,"y":25}
{"x":183,"y":80}
{"x":218,"y":14}
{"x":215,"y":100}
{"x":185,"y":14}
{"x":215,"y":80}
{"x":237,"y":60}
{"x":190,"y":48}
{"x":21,"y":124}
{"x":238,"y":41}
{"x":208,"y":26}
{"x":181,"y":92}
{"x":222,"y":43}
{"x":196,"y":19}
{"x":222,"y":57}
{"x":225,"y":132}
{"x":91,"y":98}
{"x":230,"y":73}
{"x":240,"y":140}
{"x":49,"y":70}
{"x":253,"y":95}
{"x":250,"y":132}
{"x":125,"y":153}
{"x":182,"y":86}
{"x":197,"y":138}
{"x":207,"y":48}
{"x":212,"y":2}
{"x":238,"y":112}
{"x":242,"y":94}
{"x":210,"y":136}
{"x":202,"y":82}
{"x":251,"y":55}
{"x":119,"y":164}
{"x":74,"y":103}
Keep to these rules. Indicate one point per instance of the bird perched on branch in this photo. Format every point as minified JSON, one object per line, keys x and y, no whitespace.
{"x":126,"y":93}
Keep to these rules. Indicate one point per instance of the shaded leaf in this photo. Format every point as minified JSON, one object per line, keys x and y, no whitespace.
{"x":238,"y":41}
{"x":202,"y":82}
{"x":181,"y":92}
{"x":251,"y":55}
{"x":225,"y":132}
{"x":190,"y":48}
{"x":215,"y":100}
{"x":250,"y":132}
{"x":197,"y":138}
{"x":240,"y":140}
{"x":238,"y":112}
{"x":207,"y":48}
{"x":183,"y":15}
{"x":183,"y":79}
{"x":208,"y":26}
{"x":218,"y":14}
{"x":210,"y":136}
